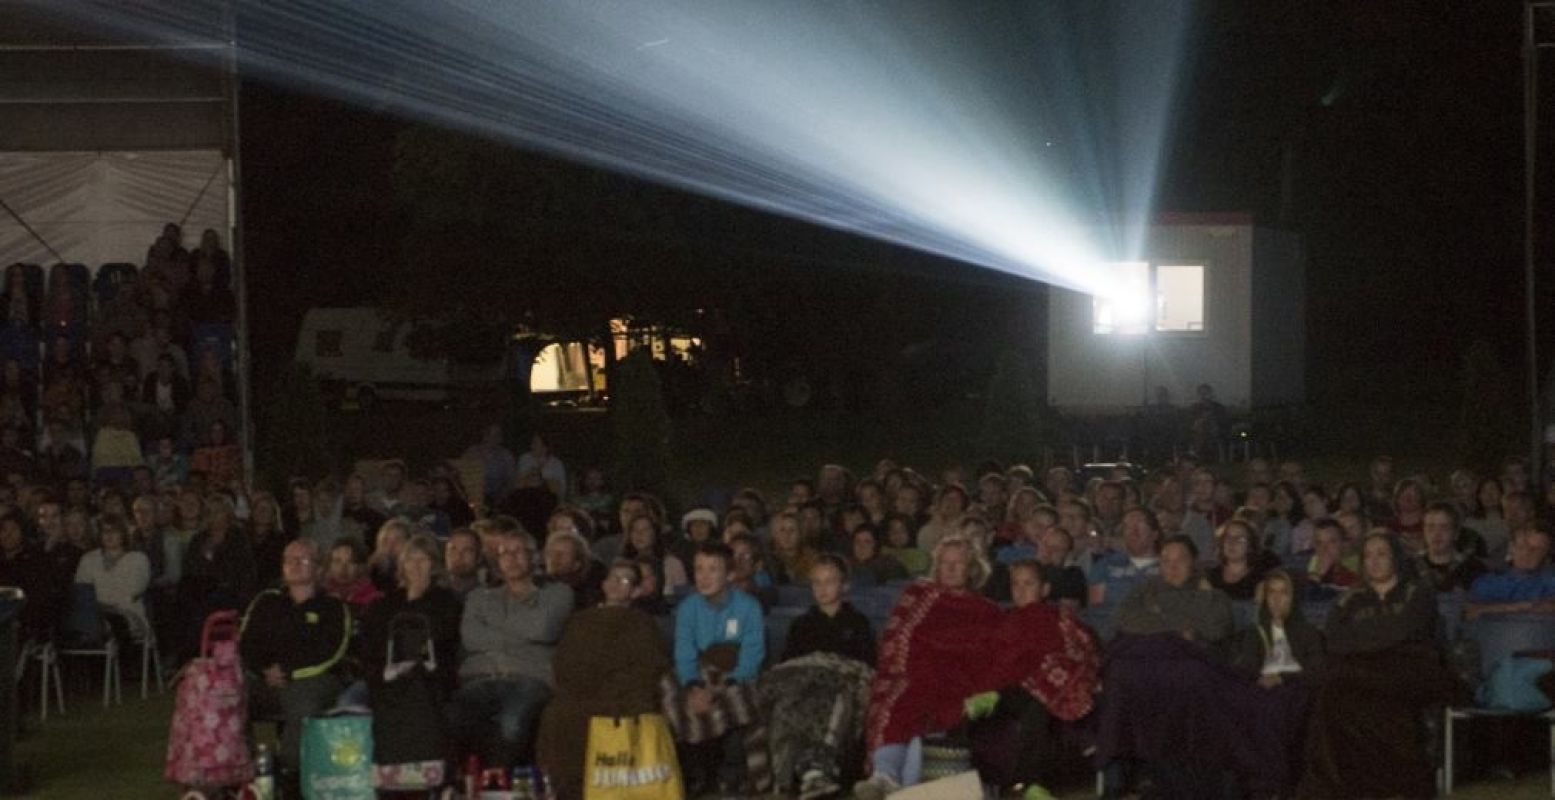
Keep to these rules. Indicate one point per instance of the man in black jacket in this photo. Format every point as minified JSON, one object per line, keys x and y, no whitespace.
{"x":294,"y":638}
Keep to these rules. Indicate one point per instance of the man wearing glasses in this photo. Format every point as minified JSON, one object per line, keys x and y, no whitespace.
{"x":509,"y":634}
{"x":295,"y":637}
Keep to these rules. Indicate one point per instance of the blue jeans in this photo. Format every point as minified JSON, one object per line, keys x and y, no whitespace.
{"x":510,"y":705}
{"x":902,"y":763}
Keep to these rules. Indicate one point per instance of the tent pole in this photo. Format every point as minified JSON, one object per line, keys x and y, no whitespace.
{"x":239,"y":263}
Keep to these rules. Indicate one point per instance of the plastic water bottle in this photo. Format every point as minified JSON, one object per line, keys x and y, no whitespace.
{"x":264,"y":773}
{"x":472,"y":778}
{"x":522,"y":783}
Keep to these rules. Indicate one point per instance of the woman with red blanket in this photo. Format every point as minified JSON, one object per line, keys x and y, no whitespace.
{"x":929,"y":663}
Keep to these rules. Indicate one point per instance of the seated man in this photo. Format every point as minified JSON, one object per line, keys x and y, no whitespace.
{"x":1527,"y":584}
{"x":294,"y":637}
{"x":720,"y":642}
{"x":1114,"y":575}
{"x":508,"y":633}
{"x":1329,"y":572}
{"x":462,"y":562}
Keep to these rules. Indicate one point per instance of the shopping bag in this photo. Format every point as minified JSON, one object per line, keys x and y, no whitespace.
{"x":631,"y":758}
{"x":207,"y":744}
{"x":337,"y":757}
{"x":409,"y":744}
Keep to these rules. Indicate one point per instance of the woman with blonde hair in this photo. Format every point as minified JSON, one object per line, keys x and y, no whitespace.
{"x":265,"y":535}
{"x":792,"y":557}
{"x":419,"y":591}
{"x":939,"y":631}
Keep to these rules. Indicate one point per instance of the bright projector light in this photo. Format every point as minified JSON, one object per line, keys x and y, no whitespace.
{"x":1122,"y":303}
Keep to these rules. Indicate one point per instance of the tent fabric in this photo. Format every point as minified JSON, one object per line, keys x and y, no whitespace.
{"x":69,"y":83}
{"x":100,"y":207}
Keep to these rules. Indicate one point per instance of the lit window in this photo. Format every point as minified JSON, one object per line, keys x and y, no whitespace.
{"x":1126,"y":310}
{"x":1179,"y":298}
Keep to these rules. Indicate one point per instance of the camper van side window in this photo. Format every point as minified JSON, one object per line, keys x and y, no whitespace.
{"x":326,"y":344}
{"x":384,"y":341}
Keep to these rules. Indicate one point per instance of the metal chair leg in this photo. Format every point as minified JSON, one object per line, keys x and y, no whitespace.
{"x":43,"y":685}
{"x":108,"y":676}
{"x":1447,"y":753}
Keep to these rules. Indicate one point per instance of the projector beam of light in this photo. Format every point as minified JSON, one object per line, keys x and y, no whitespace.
{"x":1023,"y":139}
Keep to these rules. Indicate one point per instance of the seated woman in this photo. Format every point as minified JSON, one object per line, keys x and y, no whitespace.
{"x":120,"y":577}
{"x":815,"y":699}
{"x":1047,"y":665}
{"x":1384,"y":669}
{"x":1283,"y":654}
{"x":419,"y":568}
{"x":1237,"y":571}
{"x":868,"y":566}
{"x":939,"y":628}
{"x":792,"y":556}
{"x":899,"y":545}
{"x":609,"y":663}
{"x":643,"y":542}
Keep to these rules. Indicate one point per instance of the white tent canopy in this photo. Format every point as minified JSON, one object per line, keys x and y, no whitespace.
{"x":98,"y":207}
{"x":106,"y":135}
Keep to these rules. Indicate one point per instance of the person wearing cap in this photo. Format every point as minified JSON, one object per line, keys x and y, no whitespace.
{"x":698,"y":525}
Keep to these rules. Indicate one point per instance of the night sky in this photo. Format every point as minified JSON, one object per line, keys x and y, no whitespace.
{"x":1388,"y":134}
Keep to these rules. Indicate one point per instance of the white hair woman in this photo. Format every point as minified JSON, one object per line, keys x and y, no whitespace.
{"x":939,"y":627}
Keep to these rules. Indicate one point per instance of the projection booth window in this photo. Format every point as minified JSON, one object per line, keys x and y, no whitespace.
{"x":1179,"y":298}
{"x":1165,"y":298}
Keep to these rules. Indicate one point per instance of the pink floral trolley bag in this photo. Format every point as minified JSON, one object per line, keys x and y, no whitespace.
{"x":207,"y":746}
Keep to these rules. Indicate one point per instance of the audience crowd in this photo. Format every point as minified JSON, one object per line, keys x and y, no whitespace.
{"x":1183,"y":630}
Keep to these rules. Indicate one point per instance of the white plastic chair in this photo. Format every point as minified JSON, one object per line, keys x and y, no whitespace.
{"x":44,"y":655}
{"x":142,"y":635}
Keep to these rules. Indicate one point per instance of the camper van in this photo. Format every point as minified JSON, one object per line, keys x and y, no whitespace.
{"x":362,"y":355}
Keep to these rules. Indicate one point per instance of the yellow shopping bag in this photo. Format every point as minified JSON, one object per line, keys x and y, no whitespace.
{"x":631,"y":758}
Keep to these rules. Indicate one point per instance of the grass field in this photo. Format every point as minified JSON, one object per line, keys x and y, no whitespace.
{"x":92,"y":753}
